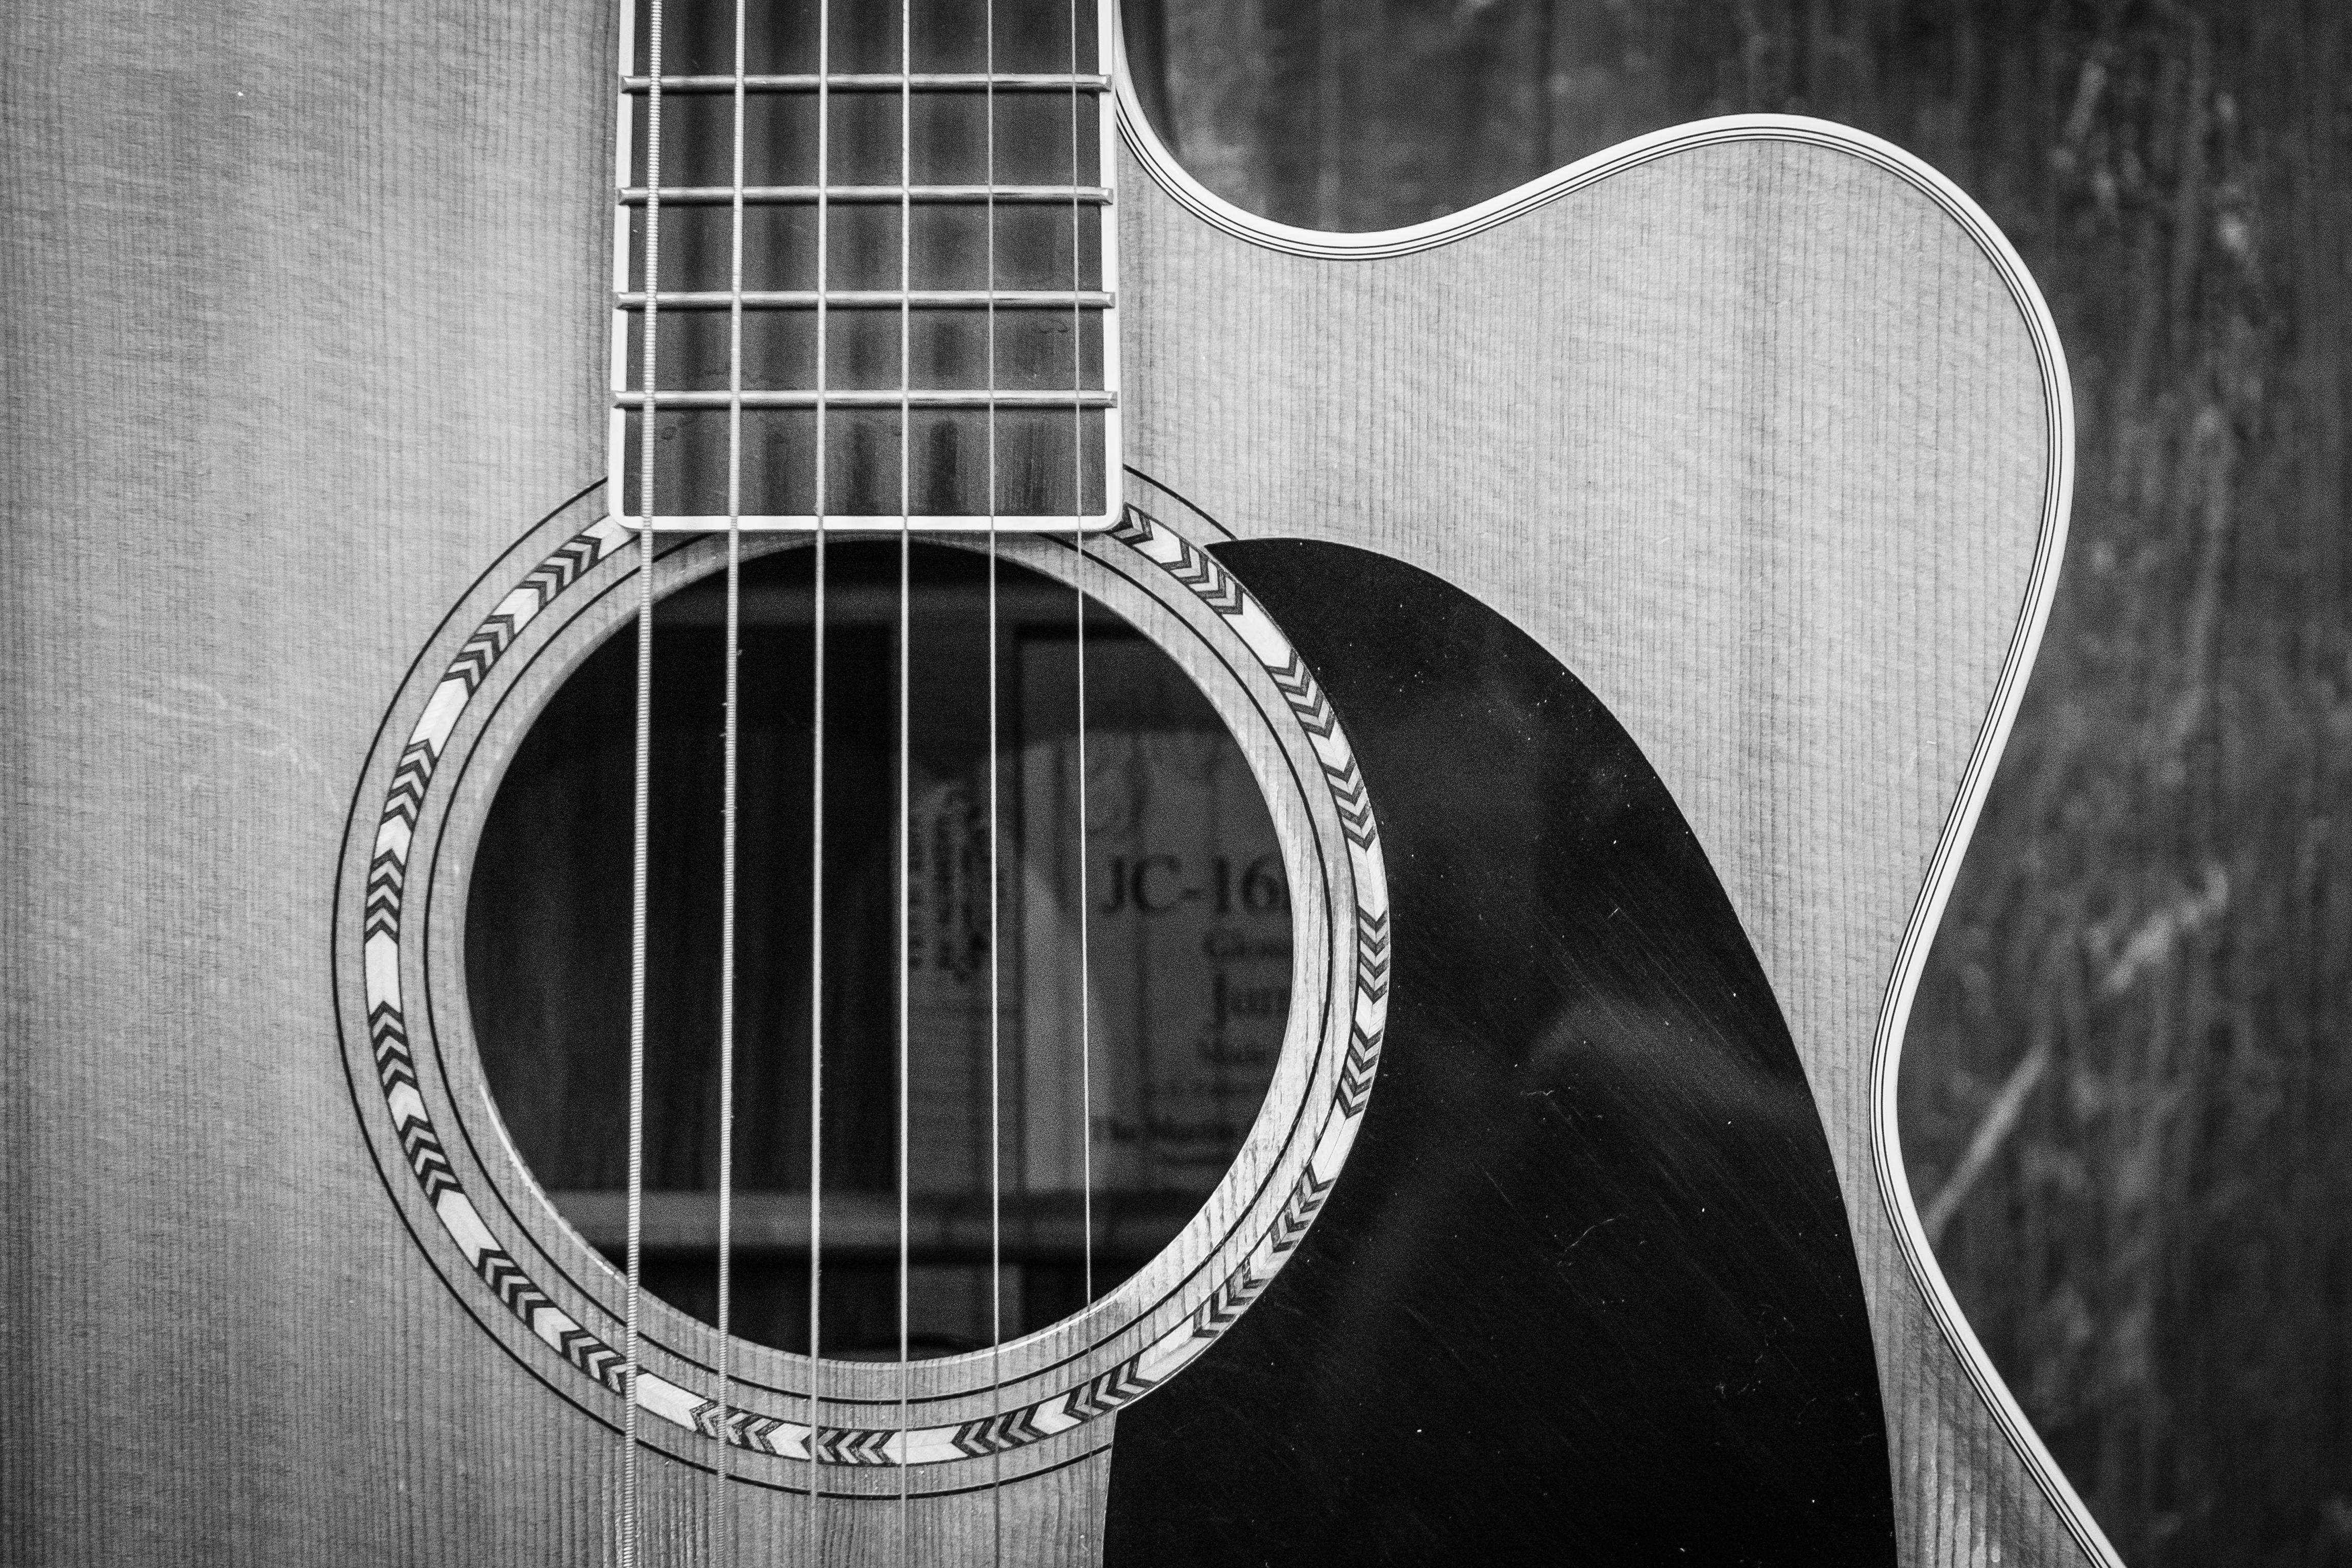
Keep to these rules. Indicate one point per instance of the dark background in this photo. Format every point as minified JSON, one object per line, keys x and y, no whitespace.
{"x":2127,"y":1101}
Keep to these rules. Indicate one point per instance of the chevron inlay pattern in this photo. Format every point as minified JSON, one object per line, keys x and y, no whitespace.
{"x":389,"y":1037}
{"x":409,"y":779}
{"x":854,"y":1446}
{"x":1106,"y":1392}
{"x":386,"y":874}
{"x":1093,"y":1397}
{"x":1355,"y":1071}
{"x":1306,"y":1202}
{"x":1306,"y":698}
{"x":1228,"y":1301}
{"x":427,"y":1158}
{"x":755,"y":1432}
{"x":994,"y":1434}
{"x":1372,"y":955}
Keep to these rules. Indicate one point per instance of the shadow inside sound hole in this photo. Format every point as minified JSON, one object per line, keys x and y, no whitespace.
{"x":769,"y":1300}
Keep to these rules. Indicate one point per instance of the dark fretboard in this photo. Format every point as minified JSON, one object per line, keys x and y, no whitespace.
{"x":944,"y":358}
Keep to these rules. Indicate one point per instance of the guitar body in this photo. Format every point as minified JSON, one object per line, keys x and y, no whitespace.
{"x":1704,"y":498}
{"x":1748,"y":431}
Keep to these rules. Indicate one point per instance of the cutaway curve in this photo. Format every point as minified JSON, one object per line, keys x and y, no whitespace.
{"x":1893,"y":1185}
{"x":1587,"y":1292}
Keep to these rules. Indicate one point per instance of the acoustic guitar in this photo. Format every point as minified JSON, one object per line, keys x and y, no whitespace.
{"x":765,"y":805}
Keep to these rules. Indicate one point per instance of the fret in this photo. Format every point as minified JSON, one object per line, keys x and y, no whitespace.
{"x":873,"y":195}
{"x":948,"y":132}
{"x":878,"y":81}
{"x":948,"y":348}
{"x":877,"y":397}
{"x":874,"y":300}
{"x":1046,"y":448}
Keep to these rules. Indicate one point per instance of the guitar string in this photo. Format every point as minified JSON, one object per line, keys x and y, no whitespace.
{"x":641,"y":809}
{"x":632,"y":1497}
{"x":995,"y":955}
{"x":1078,"y":538}
{"x":906,"y":800}
{"x":812,"y":1535}
{"x":631,"y":1500}
{"x":728,"y":800}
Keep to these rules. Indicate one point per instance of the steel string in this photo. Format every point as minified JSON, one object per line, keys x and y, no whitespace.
{"x":906,"y":800}
{"x":812,"y":1536}
{"x":641,"y":810}
{"x":995,"y":948}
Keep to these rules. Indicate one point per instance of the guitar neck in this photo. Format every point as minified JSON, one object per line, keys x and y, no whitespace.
{"x":864,"y":266}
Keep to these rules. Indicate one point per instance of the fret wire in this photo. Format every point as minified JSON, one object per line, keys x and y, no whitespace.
{"x":873,"y":298}
{"x":871,"y":397}
{"x":905,"y":733}
{"x":871,"y":196}
{"x":1095,"y":417}
{"x":814,"y":1537}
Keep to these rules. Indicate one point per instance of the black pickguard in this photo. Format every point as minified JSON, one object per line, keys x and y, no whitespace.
{"x":1585,"y":1292}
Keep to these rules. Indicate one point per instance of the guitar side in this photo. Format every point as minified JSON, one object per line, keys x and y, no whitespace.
{"x":1759,"y":427}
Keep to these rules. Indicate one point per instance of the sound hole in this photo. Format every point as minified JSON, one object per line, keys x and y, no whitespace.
{"x":1186,"y":916}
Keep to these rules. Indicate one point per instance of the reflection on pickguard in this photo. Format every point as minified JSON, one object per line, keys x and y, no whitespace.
{"x":1586,"y":1292}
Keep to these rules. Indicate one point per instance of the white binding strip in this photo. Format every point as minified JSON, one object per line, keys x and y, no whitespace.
{"x":2058,"y":410}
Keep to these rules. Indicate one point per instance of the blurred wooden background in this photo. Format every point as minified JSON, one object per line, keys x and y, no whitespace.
{"x":2128,"y":1097}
